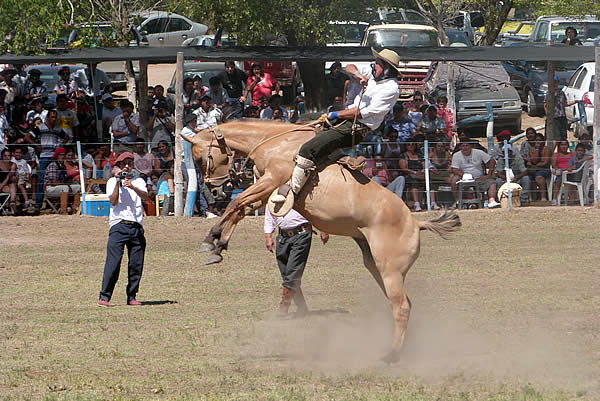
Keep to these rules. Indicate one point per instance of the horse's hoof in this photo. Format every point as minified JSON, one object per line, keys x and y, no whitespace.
{"x":206,"y":247}
{"x":214,"y":259}
{"x":391,"y":357}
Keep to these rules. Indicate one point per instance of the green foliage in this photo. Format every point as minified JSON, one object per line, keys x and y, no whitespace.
{"x":26,"y":25}
{"x":578,"y":7}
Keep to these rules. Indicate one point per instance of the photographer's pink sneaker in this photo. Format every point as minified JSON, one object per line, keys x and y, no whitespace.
{"x":134,"y":302}
{"x":103,"y":303}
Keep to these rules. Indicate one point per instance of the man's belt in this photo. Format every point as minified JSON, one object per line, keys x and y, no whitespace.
{"x":296,"y":230}
{"x":130,"y":223}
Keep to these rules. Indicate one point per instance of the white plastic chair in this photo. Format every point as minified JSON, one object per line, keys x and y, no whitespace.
{"x":583,"y":184}
{"x":4,"y":198}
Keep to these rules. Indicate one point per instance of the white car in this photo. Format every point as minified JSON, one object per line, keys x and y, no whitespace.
{"x":581,"y":88}
{"x":162,"y":28}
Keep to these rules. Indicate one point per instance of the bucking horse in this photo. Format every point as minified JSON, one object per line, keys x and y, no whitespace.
{"x":336,"y":200}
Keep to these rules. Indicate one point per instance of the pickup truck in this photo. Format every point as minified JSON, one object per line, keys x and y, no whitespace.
{"x":551,"y":30}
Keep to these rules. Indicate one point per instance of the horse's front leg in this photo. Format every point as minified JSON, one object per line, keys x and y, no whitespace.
{"x":251,"y":199}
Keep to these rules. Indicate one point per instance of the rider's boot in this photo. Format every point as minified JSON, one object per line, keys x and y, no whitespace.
{"x":300,"y":175}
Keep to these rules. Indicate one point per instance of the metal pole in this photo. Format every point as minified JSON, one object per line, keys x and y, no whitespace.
{"x":143,"y":105}
{"x":450,"y":89}
{"x":506,"y":170}
{"x":596,"y":125}
{"x":551,"y":96}
{"x":427,"y":185}
{"x":178,"y":128}
{"x":490,"y":126}
{"x":81,"y":180}
{"x":98,"y":122}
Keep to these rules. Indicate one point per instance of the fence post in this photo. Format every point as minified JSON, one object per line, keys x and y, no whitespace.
{"x":506,"y":170}
{"x":596,"y":124}
{"x":178,"y":128}
{"x":427,"y":186}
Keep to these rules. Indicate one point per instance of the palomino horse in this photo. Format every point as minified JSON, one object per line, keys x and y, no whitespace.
{"x":338,"y":201}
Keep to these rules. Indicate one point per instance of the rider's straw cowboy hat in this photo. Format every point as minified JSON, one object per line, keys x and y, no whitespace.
{"x":389,"y":56}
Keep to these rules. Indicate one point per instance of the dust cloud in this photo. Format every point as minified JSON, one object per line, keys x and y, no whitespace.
{"x":438,"y":348}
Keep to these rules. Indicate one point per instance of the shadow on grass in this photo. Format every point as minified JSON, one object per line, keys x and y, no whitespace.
{"x":319,"y":312}
{"x":144,"y":303}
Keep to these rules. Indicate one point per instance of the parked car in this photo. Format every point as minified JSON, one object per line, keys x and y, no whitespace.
{"x":206,"y":70}
{"x":467,"y":22}
{"x":399,"y":16}
{"x":404,"y":35}
{"x":478,"y":83}
{"x":163,"y":28}
{"x":50,"y":78}
{"x":458,"y":38}
{"x":551,"y":29}
{"x":208,"y":41}
{"x":530,"y":79}
{"x":581,"y":88}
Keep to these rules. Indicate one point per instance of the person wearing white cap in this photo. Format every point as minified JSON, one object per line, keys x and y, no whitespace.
{"x":369,"y":109}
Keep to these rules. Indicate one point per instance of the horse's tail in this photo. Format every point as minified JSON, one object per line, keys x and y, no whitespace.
{"x":447,"y":223}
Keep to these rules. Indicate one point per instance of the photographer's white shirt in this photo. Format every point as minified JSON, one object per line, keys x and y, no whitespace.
{"x":130,"y":206}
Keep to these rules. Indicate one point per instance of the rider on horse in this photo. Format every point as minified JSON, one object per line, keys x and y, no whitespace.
{"x":367,"y":113}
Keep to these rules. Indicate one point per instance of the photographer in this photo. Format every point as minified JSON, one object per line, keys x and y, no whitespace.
{"x":127,"y":195}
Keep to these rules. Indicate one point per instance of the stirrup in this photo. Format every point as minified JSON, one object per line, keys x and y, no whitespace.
{"x":280,"y":208}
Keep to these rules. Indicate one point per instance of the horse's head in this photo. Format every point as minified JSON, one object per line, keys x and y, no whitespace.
{"x":214,"y":159}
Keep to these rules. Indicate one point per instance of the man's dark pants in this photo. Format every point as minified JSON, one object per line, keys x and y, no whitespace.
{"x":328,"y":140}
{"x":292,"y":254}
{"x":119,"y":236}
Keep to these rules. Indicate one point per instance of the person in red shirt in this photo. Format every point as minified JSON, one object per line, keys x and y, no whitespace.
{"x":446,"y":114}
{"x":260,"y":83}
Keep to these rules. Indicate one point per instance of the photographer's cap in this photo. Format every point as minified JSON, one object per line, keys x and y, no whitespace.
{"x":123,"y":156}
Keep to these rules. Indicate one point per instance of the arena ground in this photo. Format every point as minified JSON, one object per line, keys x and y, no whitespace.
{"x":507,"y":309}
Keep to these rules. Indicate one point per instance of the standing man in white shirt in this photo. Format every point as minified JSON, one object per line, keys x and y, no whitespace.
{"x":292,"y":249}
{"x":380,"y":95}
{"x":125,"y":126}
{"x":127,"y":195}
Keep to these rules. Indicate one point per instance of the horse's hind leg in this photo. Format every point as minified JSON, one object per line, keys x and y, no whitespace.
{"x":208,"y":245}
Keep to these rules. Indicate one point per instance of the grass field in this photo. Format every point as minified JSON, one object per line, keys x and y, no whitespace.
{"x":506,"y":310}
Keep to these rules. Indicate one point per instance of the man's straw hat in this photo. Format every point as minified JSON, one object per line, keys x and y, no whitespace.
{"x":389,"y":56}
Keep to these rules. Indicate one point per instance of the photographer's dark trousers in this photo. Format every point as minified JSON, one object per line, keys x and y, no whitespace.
{"x":292,"y":254}
{"x":325,"y":142}
{"x":123,"y":234}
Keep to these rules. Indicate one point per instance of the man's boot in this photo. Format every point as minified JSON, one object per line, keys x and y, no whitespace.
{"x":64,"y":200}
{"x":300,"y":302}
{"x":286,"y":300}
{"x":302,"y":171}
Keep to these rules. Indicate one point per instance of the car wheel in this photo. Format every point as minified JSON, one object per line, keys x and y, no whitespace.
{"x":532,"y":109}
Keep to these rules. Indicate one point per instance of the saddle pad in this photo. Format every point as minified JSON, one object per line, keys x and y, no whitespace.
{"x":356,"y":164}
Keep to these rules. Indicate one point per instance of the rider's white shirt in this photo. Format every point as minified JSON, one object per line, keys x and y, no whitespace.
{"x":378,"y":100}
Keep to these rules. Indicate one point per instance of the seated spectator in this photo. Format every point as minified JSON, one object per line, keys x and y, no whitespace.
{"x":577,"y":161}
{"x":278,"y":115}
{"x":109,"y":111}
{"x":64,"y":85}
{"x":371,"y":145}
{"x":37,"y":111}
{"x":586,"y":140}
{"x":149,"y":101}
{"x":404,"y":126}
{"x":519,"y":172}
{"x":143,"y":162}
{"x":66,"y":118}
{"x":72,"y":166}
{"x":439,"y":170}
{"x":251,"y":112}
{"x":560,"y":162}
{"x":152,"y":184}
{"x":540,"y":158}
{"x":161,"y":126}
{"x":190,"y":99}
{"x":298,"y":108}
{"x":337,"y":104}
{"x":199,"y":88}
{"x":274,"y":104}
{"x":377,"y":170}
{"x":23,"y":174}
{"x":105,"y":160}
{"x":164,"y":155}
{"x":527,"y":145}
{"x":160,"y":99}
{"x":416,"y":104}
{"x":166,"y":187}
{"x":207,"y":115}
{"x":411,"y":166}
{"x":263,"y":103}
{"x":471,"y":161}
{"x":8,"y":182}
{"x":89,"y":152}
{"x":218,"y":95}
{"x":260,"y":84}
{"x":34,"y":87}
{"x":446,"y":114}
{"x":391,"y":151}
{"x":431,"y":124}
{"x":463,"y":137}
{"x":335,"y":83}
{"x":126,"y":125}
{"x":498,"y":151}
{"x":58,"y":185}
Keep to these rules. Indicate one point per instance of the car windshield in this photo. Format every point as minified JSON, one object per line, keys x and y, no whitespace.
{"x":585,"y":30}
{"x":458,"y":37}
{"x":402,"y":38}
{"x":348,"y":33}
{"x":558,"y":65}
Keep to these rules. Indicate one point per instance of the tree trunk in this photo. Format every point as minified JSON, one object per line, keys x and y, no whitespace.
{"x":313,"y":78}
{"x":130,"y":78}
{"x":494,"y":21}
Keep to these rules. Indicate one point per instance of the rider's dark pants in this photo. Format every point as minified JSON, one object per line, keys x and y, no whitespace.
{"x":324,"y":143}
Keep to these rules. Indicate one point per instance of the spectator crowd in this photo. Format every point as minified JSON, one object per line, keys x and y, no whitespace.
{"x":39,"y":127}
